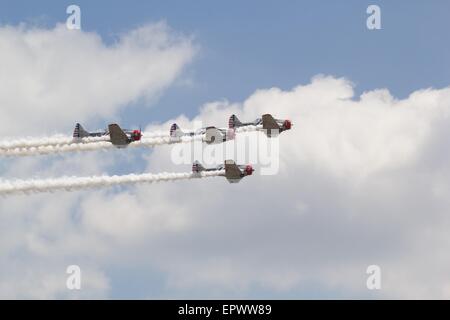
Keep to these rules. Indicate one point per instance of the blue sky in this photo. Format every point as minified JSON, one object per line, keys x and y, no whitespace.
{"x":241,"y":47}
{"x":246,"y":45}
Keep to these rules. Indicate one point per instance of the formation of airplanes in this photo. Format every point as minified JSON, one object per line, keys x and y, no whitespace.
{"x":267,"y":123}
{"x":121,"y":138}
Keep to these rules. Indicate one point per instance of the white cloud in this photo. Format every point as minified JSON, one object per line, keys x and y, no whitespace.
{"x":363,"y":180}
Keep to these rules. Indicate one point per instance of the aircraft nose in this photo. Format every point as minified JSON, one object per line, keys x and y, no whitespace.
{"x":287,"y":124}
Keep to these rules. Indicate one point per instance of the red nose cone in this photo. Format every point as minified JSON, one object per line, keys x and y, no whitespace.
{"x":137,"y":135}
{"x":249,"y":170}
{"x":287,"y":124}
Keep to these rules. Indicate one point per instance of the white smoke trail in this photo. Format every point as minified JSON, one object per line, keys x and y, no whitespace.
{"x":77,"y":183}
{"x":47,"y":141}
{"x":100,"y":145}
{"x":41,"y":150}
{"x":151,"y":142}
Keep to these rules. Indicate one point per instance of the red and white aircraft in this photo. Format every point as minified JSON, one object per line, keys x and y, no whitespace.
{"x":211,"y":134}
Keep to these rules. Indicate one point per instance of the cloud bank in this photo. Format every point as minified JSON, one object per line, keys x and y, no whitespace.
{"x":363,"y":180}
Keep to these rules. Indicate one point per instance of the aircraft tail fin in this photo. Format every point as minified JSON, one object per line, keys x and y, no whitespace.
{"x":197,"y":167}
{"x":79,"y":132}
{"x":175,"y":131}
{"x":234,"y":122}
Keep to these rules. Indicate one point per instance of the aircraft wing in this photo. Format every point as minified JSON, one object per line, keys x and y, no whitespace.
{"x":117,"y":135}
{"x":232,"y":171}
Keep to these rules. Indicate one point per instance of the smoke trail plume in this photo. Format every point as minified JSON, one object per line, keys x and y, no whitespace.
{"x":40,"y":150}
{"x":59,"y":140}
{"x":76,"y":183}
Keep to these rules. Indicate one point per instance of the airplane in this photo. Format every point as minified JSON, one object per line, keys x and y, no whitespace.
{"x":267,"y":121}
{"x":117,"y":136}
{"x":233,"y":172}
{"x":212,"y":134}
